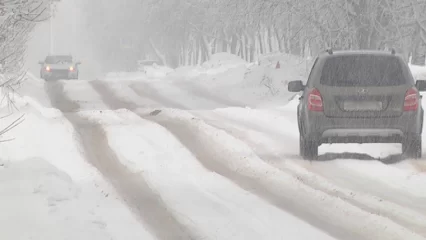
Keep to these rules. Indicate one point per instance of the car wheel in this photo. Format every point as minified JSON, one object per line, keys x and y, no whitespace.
{"x":308,"y":148}
{"x":412,"y":147}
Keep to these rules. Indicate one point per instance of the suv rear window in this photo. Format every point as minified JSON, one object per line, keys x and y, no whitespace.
{"x":362,"y":71}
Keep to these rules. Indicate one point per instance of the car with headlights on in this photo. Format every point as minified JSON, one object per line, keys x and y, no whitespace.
{"x":56,"y":67}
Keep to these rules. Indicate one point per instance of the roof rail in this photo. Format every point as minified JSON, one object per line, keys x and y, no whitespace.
{"x":393,"y":52}
{"x":329,"y":51}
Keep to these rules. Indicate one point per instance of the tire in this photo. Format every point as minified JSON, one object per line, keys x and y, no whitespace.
{"x":308,"y":148}
{"x":412,"y":147}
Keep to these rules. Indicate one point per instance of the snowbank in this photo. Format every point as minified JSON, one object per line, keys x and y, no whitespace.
{"x":147,"y":72}
{"x":419,"y":72}
{"x":118,"y":76}
{"x":232,"y":79}
{"x":157,"y":71}
{"x":41,"y":202}
{"x":29,"y":93}
{"x":47,"y":187}
{"x":254,"y":84}
{"x":33,"y":90}
{"x":219,"y":63}
{"x":222,"y":61}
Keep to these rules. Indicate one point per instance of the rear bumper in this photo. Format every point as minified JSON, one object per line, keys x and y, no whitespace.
{"x":363,"y":135}
{"x":362,"y":130}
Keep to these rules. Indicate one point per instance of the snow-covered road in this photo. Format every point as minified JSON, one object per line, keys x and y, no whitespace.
{"x":172,"y":159}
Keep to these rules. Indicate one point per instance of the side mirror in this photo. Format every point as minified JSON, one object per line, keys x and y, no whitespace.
{"x":41,"y":62}
{"x":421,"y":85}
{"x":296,"y":86}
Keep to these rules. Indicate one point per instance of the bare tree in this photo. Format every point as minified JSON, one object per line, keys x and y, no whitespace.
{"x":189,"y":32}
{"x":17,"y":19}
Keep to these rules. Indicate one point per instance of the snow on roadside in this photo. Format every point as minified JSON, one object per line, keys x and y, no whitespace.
{"x":232,"y":79}
{"x":272,"y":151}
{"x":148,"y":72}
{"x":49,"y":190}
{"x":32,"y":89}
{"x":239,"y":158}
{"x":282,"y":124}
{"x":82,"y":93}
{"x":259,"y":84}
{"x":122,"y":90}
{"x":219,"y":63}
{"x":419,"y":72}
{"x":127,"y":76}
{"x":198,"y":198}
{"x":396,"y":178}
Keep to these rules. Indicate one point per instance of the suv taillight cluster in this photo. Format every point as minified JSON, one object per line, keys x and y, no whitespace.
{"x":315,"y":102}
{"x":411,"y":100}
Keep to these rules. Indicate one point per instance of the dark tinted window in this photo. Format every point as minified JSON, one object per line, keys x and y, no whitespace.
{"x":363,"y":71}
{"x":58,"y":59}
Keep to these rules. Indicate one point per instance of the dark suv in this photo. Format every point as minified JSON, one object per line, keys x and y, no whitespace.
{"x":360,"y":97}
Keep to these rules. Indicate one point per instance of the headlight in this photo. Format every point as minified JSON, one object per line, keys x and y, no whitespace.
{"x":47,"y":68}
{"x":71,"y":68}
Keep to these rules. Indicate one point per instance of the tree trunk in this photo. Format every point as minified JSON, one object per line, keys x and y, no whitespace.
{"x":259,"y":43}
{"x":243,"y":47}
{"x":237,"y":46}
{"x":225,"y":44}
{"x":271,"y":47}
{"x":418,"y":52}
{"x":233,"y":46}
{"x":160,"y":55}
{"x":208,"y":47}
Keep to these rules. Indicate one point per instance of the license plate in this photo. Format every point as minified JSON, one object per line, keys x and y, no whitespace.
{"x":362,"y":106}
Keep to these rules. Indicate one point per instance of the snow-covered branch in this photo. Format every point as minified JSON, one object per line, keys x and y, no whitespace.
{"x":17,"y":19}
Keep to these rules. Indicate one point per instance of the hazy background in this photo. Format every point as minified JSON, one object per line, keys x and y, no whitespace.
{"x":110,"y":36}
{"x":69,"y":37}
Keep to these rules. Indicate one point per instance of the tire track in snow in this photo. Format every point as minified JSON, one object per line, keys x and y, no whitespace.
{"x":409,"y":219}
{"x":144,"y":90}
{"x":137,"y":194}
{"x":105,"y":91}
{"x":208,"y":158}
{"x":201,"y":92}
{"x":110,"y":98}
{"x":249,"y":184}
{"x":202,"y":98}
{"x":304,"y":208}
{"x":419,"y":165}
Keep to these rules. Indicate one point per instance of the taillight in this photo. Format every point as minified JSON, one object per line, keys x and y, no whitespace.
{"x":411,"y":100}
{"x":47,"y":68}
{"x":315,"y":103}
{"x":71,"y":68}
